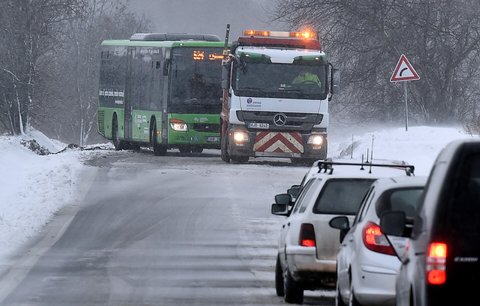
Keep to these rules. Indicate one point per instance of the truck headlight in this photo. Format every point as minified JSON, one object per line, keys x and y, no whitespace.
{"x":240,"y":136}
{"x":315,"y":140}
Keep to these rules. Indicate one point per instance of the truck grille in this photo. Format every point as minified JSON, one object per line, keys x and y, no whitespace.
{"x":294,"y":121}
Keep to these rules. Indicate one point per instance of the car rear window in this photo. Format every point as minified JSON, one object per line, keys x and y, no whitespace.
{"x":404,"y":199}
{"x":342,"y":196}
{"x":465,"y":211}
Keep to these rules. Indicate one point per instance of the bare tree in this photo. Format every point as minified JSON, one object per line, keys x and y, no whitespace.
{"x":27,"y":34}
{"x":365,"y":39}
{"x":67,"y":75}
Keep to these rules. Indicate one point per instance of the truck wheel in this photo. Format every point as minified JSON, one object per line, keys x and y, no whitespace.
{"x":293,"y":291}
{"x":302,"y":161}
{"x":223,"y":149}
{"x":239,"y":159}
{"x":279,"y":278}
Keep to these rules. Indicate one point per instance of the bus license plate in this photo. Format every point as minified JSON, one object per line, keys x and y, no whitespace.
{"x":213,"y":139}
{"x":258,"y":125}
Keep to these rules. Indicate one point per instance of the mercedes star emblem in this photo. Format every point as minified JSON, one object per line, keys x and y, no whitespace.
{"x":280,"y":119}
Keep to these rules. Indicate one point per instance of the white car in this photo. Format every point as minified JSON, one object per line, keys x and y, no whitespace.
{"x":367,"y":265}
{"x":307,"y":246}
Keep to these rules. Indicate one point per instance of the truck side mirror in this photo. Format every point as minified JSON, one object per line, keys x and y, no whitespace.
{"x":334,"y":81}
{"x":226,"y":75}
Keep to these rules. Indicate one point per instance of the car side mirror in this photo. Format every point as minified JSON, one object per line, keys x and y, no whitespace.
{"x":394,"y":223}
{"x":341,"y":223}
{"x":280,"y":209}
{"x":294,"y":191}
{"x":283,"y":198}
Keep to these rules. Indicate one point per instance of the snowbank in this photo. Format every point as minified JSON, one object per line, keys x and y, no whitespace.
{"x":33,"y":187}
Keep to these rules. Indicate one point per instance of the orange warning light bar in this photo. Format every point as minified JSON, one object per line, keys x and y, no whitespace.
{"x":284,"y":34}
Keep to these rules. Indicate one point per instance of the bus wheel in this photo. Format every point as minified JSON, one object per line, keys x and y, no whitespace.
{"x":197,"y":149}
{"x":184,"y":149}
{"x":117,"y":143}
{"x":223,"y":150}
{"x":158,"y":149}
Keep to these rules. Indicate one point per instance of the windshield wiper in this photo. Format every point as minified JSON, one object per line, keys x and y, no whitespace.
{"x":289,"y":89}
{"x":192,"y":101}
{"x":252,"y":89}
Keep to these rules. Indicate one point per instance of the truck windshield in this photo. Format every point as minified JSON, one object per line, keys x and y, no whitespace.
{"x":196,"y":80}
{"x":296,"y":81}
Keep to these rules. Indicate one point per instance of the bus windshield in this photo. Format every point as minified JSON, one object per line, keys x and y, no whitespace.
{"x":296,"y":81}
{"x":196,"y":80}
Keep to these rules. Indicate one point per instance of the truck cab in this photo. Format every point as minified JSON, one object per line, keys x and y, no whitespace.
{"x":276,"y":89}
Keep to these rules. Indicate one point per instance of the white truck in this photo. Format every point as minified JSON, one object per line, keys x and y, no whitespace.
{"x":276,"y":89}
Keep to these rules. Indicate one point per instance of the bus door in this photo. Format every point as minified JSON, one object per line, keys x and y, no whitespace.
{"x":129,"y":95}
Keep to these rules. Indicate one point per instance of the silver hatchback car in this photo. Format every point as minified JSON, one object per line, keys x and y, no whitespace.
{"x":366,"y":263}
{"x":307,"y":246}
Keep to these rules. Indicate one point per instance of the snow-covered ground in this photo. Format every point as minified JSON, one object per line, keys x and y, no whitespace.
{"x":33,"y":187}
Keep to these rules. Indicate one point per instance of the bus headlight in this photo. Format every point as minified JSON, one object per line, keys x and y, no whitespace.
{"x":315,"y":140}
{"x":240,"y":137}
{"x":178,"y":125}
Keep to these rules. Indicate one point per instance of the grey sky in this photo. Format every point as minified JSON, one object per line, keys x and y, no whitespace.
{"x":207,"y":16}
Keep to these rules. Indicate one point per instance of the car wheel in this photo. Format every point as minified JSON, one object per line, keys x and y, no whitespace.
{"x":338,"y":298}
{"x":293,"y":291}
{"x":352,"y":301}
{"x":279,"y":278}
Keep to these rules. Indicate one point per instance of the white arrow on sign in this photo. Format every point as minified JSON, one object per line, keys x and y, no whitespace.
{"x":404,"y":71}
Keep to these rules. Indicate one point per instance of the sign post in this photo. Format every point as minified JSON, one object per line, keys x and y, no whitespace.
{"x":404,"y":72}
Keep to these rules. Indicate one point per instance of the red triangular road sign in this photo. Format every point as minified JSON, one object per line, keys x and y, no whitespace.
{"x":404,"y":71}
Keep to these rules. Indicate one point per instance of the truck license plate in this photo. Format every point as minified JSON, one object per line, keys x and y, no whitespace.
{"x":258,"y":125}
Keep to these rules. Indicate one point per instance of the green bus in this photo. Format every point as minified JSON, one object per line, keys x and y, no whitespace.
{"x":161,"y":91}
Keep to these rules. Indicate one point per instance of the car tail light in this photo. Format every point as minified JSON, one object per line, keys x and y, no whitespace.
{"x":375,"y":240}
{"x":437,"y":263}
{"x":307,"y":235}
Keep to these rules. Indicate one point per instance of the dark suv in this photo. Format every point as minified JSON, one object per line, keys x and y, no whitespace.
{"x":441,"y":262}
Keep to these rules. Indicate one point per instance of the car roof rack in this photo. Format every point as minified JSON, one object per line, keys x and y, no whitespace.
{"x":327,"y":165}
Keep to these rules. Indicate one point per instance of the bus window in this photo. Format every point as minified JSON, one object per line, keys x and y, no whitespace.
{"x":196,"y":81}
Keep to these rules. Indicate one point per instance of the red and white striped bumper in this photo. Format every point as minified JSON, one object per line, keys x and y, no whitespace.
{"x":278,"y":142}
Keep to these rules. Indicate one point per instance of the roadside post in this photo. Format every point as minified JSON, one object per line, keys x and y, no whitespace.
{"x":403,"y":72}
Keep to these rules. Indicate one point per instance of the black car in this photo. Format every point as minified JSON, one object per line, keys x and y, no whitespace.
{"x":441,"y":261}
